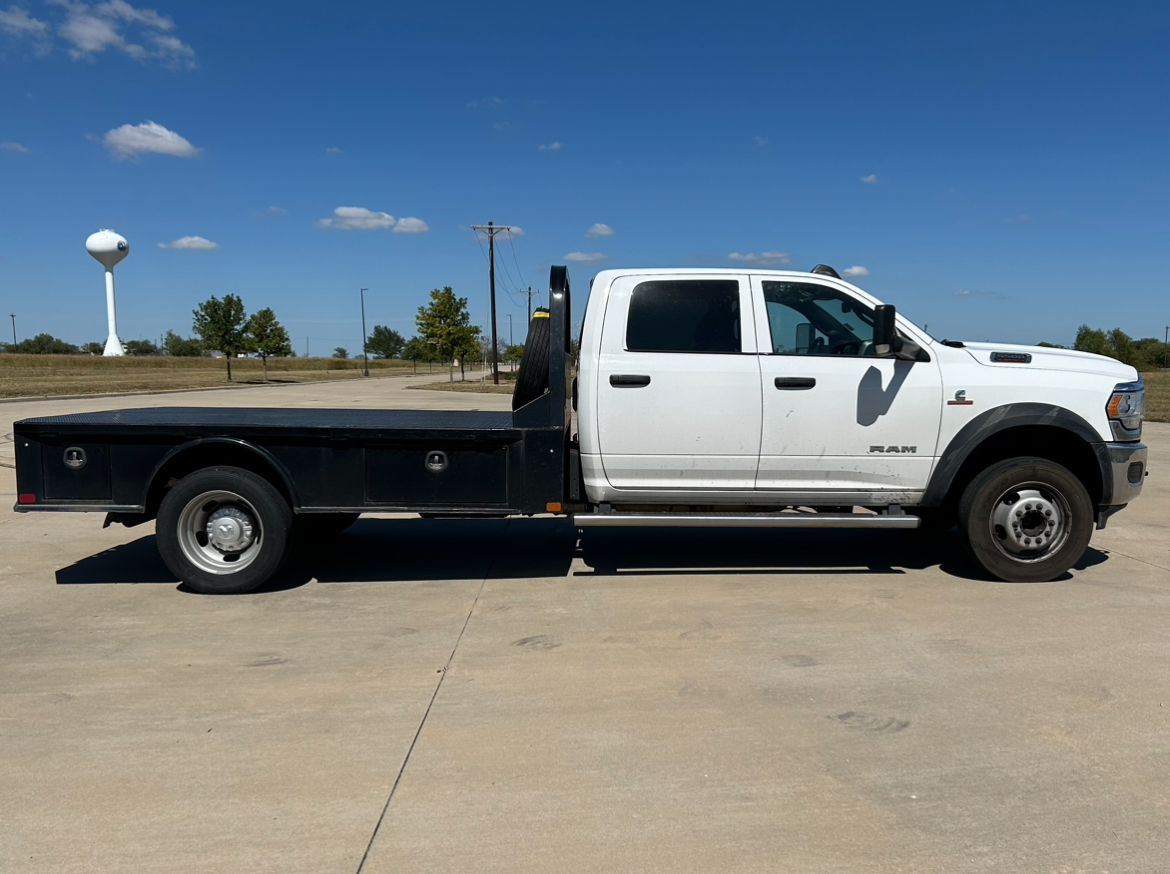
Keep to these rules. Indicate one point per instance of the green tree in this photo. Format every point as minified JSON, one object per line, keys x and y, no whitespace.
{"x":180,"y":347}
{"x":1092,"y":340}
{"x":385,"y":342}
{"x":268,"y":337}
{"x":446,"y":324}
{"x":418,"y":349}
{"x":94,"y":348}
{"x":220,"y":325}
{"x":43,"y":344}
{"x":340,"y":352}
{"x":140,"y":347}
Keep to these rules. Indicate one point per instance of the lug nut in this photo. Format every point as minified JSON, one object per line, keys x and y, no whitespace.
{"x":1019,"y":514}
{"x":1027,"y":506}
{"x":1028,"y":541}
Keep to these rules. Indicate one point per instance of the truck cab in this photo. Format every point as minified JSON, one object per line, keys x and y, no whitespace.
{"x":765,"y":391}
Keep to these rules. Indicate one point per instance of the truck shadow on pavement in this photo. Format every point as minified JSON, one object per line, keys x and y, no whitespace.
{"x":406,"y":550}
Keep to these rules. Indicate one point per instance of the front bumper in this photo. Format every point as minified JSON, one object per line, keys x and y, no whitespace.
{"x":1127,"y":463}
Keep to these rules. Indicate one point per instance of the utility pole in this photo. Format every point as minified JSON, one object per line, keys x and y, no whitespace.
{"x":1165,"y":352}
{"x":530,"y":292}
{"x":365,"y":358}
{"x":509,"y":329}
{"x":491,"y":231}
{"x":306,"y":345}
{"x":13,"y":317}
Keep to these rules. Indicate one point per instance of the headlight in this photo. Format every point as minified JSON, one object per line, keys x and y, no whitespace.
{"x":1125,"y":409}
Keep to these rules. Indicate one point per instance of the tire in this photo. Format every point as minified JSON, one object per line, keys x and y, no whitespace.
{"x":322,"y":526}
{"x":257,"y":530}
{"x":1025,"y":520}
{"x":532,"y":380}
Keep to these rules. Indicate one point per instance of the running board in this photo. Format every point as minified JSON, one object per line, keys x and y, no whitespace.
{"x":728,"y":520}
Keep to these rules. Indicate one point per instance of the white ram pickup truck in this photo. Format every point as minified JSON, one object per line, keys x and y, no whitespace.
{"x":706,"y":398}
{"x":786,"y":399}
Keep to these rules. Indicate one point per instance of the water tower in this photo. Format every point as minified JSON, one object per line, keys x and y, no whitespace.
{"x":109,"y":248}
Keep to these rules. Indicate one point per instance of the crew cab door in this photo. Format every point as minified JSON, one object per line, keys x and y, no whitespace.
{"x":678,"y":383}
{"x":834,"y":416}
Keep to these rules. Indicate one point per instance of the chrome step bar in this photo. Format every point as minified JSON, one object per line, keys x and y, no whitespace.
{"x":746,"y":520}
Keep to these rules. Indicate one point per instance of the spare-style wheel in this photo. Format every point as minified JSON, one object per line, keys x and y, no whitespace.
{"x":1025,"y":520}
{"x":532,"y":380}
{"x":224,"y":530}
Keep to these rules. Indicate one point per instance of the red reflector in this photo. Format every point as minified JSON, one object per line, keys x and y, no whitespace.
{"x":26,"y":498}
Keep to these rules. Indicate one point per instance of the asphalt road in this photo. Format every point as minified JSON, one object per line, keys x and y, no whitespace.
{"x":455,"y":696}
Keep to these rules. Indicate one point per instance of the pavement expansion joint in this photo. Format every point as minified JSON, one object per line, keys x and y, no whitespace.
{"x":418,"y":731}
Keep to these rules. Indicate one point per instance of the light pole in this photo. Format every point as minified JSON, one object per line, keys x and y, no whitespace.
{"x":13,"y":317}
{"x":365,"y":358}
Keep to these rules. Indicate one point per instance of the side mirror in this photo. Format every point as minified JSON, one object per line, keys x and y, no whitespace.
{"x":885,"y":338}
{"x":804,"y":337}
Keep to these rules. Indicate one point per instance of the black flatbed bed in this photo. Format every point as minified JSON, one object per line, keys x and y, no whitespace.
{"x":252,"y":421}
{"x":471,"y":462}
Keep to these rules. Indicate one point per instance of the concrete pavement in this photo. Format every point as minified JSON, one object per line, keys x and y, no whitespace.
{"x":448,"y":695}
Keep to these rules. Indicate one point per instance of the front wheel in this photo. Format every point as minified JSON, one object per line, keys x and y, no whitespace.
{"x":1025,"y":520}
{"x":224,"y":530}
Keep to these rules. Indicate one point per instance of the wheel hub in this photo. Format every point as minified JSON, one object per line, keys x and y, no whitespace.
{"x":1026,"y":520}
{"x":230,"y":529}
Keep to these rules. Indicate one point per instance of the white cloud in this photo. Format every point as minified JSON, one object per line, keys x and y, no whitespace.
{"x":19,"y":22}
{"x":356,"y":218}
{"x":763,"y":258}
{"x":132,"y":140}
{"x":93,"y":28}
{"x":276,"y":210}
{"x":849,"y":272}
{"x":333,"y":150}
{"x":871,"y":179}
{"x":599,"y":230}
{"x":190,"y":243}
{"x":977,"y":292}
{"x":13,"y":147}
{"x":761,"y":141}
{"x":586,"y":256}
{"x":486,"y":103}
{"x":1019,"y":218}
{"x":411,"y":226}
{"x":552,"y":147}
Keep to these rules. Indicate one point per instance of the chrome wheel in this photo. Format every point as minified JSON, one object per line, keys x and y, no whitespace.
{"x":219,"y":532}
{"x":1030,"y":521}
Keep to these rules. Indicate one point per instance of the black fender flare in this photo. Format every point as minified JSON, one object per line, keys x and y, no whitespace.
{"x":997,"y":419}
{"x":260,"y":452}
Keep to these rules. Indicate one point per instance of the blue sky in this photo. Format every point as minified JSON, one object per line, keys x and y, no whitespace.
{"x":1000,"y":171}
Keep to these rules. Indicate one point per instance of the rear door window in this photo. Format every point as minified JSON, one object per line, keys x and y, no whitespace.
{"x":690,"y":315}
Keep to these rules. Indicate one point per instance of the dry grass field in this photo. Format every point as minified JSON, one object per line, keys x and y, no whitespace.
{"x":48,"y":375}
{"x":1157,"y":396}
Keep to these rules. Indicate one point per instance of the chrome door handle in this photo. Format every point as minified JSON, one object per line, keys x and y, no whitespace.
{"x":629,"y":380}
{"x":795,"y":382}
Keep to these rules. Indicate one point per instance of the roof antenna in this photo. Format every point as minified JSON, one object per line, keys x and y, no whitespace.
{"x":826,"y":270}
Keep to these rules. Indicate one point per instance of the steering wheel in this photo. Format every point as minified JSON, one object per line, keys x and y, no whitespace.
{"x":847,"y":348}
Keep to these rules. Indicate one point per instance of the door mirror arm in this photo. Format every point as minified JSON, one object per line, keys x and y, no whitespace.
{"x":888,"y":343}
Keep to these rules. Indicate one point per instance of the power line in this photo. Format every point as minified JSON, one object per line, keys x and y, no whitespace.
{"x":516,"y":260}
